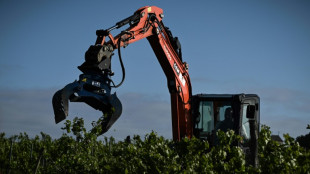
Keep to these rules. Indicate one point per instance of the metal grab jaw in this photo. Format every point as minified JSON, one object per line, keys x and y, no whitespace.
{"x":92,"y":88}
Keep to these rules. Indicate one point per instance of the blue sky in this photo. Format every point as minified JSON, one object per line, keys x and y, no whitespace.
{"x":260,"y":47}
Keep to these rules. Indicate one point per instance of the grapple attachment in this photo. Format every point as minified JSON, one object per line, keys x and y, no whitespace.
{"x":92,"y":88}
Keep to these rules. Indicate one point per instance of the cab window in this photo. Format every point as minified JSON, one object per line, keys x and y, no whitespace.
{"x":224,"y":115}
{"x":245,"y":128}
{"x":205,"y":122}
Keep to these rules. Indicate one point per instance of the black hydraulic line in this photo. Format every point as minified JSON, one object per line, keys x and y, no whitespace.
{"x":118,"y":25}
{"x":121,"y":62}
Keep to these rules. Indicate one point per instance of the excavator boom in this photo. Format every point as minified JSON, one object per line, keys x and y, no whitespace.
{"x":94,"y":85}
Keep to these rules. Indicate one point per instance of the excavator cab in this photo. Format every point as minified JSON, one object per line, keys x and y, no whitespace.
{"x":238,"y":112}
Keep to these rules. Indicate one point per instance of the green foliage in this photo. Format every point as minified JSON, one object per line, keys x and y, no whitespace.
{"x":304,"y":140}
{"x":84,"y":153}
{"x":288,"y":157}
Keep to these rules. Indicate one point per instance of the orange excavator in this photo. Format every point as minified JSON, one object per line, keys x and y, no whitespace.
{"x":192,"y":115}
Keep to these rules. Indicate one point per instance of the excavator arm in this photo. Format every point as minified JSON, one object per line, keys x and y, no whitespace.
{"x":94,"y":85}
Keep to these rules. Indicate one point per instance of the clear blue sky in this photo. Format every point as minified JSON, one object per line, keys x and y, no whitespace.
{"x":260,"y":47}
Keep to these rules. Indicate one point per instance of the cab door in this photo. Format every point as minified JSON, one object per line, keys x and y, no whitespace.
{"x":249,"y":128}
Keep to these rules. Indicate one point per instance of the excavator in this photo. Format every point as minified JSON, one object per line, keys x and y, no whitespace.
{"x":198,"y":115}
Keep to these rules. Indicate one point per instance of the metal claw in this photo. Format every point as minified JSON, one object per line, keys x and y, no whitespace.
{"x":94,"y":94}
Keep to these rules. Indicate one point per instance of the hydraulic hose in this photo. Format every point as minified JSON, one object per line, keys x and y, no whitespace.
{"x":121,"y":62}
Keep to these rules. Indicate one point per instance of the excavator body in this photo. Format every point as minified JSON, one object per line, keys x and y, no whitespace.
{"x":199,"y":115}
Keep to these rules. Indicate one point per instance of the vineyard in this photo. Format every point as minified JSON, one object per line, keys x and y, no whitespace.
{"x":80,"y":151}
